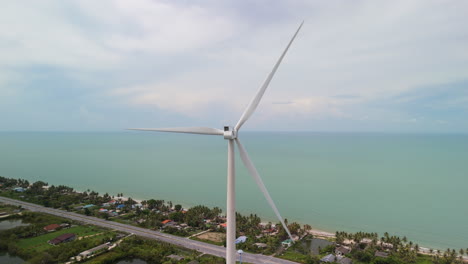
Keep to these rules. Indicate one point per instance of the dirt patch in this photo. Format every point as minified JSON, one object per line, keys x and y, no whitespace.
{"x":213,"y":236}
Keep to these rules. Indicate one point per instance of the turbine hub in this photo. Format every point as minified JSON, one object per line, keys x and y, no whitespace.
{"x":229,"y":133}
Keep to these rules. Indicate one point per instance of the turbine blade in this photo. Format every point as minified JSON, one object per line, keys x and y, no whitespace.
{"x":256,"y":100}
{"x":189,"y":130}
{"x":253,"y":171}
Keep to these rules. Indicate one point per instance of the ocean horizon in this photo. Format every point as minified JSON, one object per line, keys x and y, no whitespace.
{"x":411,"y":184}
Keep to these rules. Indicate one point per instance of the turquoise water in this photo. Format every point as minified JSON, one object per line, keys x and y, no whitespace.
{"x":7,"y":258}
{"x":10,"y":223}
{"x":413,"y":185}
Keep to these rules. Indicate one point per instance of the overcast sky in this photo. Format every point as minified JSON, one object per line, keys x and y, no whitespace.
{"x":391,"y":66}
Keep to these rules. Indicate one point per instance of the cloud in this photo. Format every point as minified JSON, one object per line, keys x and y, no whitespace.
{"x":360,"y":61}
{"x":160,"y":26}
{"x":43,"y":34}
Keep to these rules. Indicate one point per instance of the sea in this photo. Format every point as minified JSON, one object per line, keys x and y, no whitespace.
{"x":413,"y":185}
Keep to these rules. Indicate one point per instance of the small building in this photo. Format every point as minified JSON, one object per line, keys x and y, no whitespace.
{"x":381,"y":254}
{"x":345,"y":261}
{"x":366,"y":241}
{"x":287,"y":243}
{"x":348,"y":242}
{"x":62,"y":239}
{"x":113,"y":213}
{"x":103,"y":210}
{"x":341,"y":251}
{"x":51,"y":228}
{"x":89,"y":252}
{"x":166,"y":221}
{"x":223,"y":225}
{"x":19,"y":189}
{"x":88,"y":206}
{"x":241,"y":239}
{"x":328,"y":258}
{"x":261,"y":245}
{"x":175,"y":257}
{"x":386,"y":245}
{"x":65,"y":225}
{"x":120,"y":206}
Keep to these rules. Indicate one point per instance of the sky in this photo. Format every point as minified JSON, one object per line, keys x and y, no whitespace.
{"x":372,"y":66}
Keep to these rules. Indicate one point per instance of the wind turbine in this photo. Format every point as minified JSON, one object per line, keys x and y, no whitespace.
{"x":231,"y":135}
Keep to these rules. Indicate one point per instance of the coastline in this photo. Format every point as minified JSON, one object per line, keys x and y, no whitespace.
{"x":315,"y":232}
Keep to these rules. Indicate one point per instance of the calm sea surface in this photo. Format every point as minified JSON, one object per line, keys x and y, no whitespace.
{"x":413,"y":185}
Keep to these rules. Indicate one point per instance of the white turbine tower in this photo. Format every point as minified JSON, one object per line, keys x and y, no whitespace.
{"x":231,"y":135}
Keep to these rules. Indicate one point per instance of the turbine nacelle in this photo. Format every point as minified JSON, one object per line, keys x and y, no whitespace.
{"x":229,"y":132}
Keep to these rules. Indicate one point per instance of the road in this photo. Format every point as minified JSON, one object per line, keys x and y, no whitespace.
{"x":180,"y":241}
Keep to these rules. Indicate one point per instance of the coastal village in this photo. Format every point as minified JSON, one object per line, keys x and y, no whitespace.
{"x":203,"y":224}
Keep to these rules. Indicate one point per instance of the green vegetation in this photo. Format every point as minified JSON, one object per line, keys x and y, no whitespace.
{"x":40,"y":242}
{"x":30,"y":242}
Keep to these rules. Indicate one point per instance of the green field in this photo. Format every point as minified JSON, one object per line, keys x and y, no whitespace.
{"x":39,"y":243}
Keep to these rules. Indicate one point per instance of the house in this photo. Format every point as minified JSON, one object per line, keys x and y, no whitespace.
{"x":166,"y":221}
{"x":120,"y":206}
{"x":241,"y":239}
{"x":381,"y":254}
{"x":287,"y":242}
{"x":345,"y":261}
{"x":51,"y":228}
{"x":88,"y":206}
{"x":341,"y":251}
{"x":223,"y":225}
{"x":62,"y":239}
{"x":268,"y":231}
{"x":103,"y":210}
{"x":386,"y":245}
{"x":328,"y":258}
{"x":366,"y":240}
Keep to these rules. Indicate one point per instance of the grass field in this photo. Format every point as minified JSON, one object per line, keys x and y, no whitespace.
{"x":39,"y":243}
{"x":214,"y":238}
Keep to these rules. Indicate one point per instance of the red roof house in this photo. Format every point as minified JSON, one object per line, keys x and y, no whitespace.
{"x":62,"y":238}
{"x":51,"y":227}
